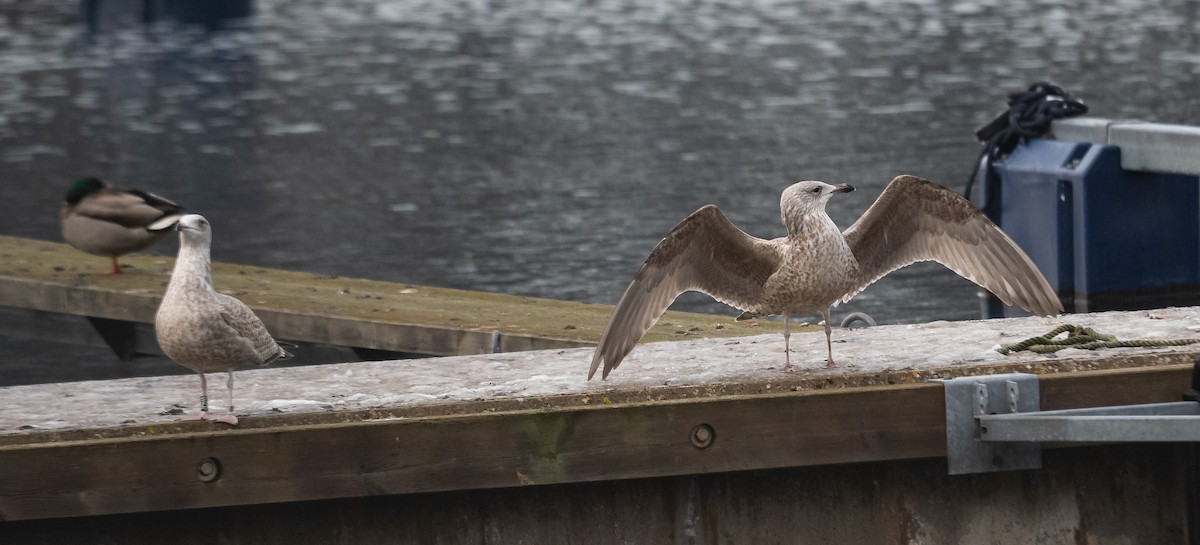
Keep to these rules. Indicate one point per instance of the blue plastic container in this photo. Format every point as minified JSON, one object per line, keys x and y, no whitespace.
{"x":1106,"y":238}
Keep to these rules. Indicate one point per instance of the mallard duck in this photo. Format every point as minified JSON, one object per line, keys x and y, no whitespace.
{"x":107,"y":221}
{"x":204,"y":330}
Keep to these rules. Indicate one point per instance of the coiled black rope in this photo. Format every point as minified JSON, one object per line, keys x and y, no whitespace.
{"x":1029,"y":115}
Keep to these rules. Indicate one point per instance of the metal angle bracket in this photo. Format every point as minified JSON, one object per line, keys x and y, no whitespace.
{"x":968,"y":398}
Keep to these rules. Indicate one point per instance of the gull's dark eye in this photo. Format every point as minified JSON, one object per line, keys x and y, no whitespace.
{"x":815,"y":190}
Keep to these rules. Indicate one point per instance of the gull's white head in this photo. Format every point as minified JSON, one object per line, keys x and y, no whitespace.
{"x":194,"y":228}
{"x":803,"y":199}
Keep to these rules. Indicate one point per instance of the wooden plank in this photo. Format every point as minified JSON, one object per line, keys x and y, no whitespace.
{"x":53,"y":277}
{"x":901,"y":354}
{"x":149,"y":472}
{"x":1115,"y":387}
{"x":469,"y":422}
{"x":478,"y":451}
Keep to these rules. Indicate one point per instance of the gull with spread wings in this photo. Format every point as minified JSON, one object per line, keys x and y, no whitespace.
{"x":816,"y":266}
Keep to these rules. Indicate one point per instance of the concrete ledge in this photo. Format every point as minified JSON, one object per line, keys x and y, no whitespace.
{"x":1155,"y":147}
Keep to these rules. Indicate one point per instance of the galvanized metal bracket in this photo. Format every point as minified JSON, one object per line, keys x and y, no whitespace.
{"x":1176,"y":422}
{"x":968,"y":399}
{"x":993,"y":423}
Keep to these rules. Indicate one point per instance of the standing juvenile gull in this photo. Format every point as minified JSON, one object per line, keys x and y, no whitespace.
{"x":107,"y":221}
{"x":815,"y":266}
{"x":204,"y":330}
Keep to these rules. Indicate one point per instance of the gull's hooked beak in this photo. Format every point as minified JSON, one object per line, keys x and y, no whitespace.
{"x":842,"y":188}
{"x":191,"y":222}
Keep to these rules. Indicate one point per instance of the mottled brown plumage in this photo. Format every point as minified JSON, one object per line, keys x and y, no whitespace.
{"x":815,"y":266}
{"x":204,"y":330}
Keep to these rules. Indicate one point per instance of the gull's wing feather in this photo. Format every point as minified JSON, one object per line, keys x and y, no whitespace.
{"x":250,"y":329}
{"x":918,"y":220}
{"x":706,"y":253}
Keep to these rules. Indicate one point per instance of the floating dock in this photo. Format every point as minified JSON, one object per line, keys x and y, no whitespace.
{"x":696,"y":441}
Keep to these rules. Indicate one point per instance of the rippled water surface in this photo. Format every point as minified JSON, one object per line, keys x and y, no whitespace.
{"x":542,"y":148}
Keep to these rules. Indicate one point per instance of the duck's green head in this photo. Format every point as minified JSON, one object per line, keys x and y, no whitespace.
{"x":82,"y":188}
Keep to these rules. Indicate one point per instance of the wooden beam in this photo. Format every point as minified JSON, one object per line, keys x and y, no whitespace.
{"x":476,"y":451}
{"x":1117,"y":386}
{"x":151,"y":471}
{"x":52,"y":277}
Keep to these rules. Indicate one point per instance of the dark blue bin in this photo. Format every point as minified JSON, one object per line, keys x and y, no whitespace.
{"x":1106,"y":238}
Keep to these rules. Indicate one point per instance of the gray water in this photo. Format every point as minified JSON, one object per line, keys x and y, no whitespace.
{"x":542,"y":148}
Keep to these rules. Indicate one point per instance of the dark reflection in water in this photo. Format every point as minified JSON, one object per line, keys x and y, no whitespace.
{"x":542,"y":148}
{"x":110,"y":15}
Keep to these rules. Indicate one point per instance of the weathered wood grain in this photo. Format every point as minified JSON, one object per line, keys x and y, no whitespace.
{"x":1116,"y":386}
{"x":512,"y":448}
{"x":479,"y":451}
{"x":297,"y":306}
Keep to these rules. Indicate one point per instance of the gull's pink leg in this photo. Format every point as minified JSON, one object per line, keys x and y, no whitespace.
{"x":228,"y":418}
{"x":787,"y":350}
{"x":203,"y":401}
{"x":828,"y":338}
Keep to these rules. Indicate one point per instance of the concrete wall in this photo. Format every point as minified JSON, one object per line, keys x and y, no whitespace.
{"x":1126,"y":494}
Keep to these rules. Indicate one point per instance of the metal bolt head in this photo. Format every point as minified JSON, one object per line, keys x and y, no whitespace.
{"x":703,"y":436}
{"x":208,"y":470}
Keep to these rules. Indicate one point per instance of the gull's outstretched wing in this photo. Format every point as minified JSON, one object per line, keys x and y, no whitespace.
{"x":917,"y":220}
{"x":706,"y":253}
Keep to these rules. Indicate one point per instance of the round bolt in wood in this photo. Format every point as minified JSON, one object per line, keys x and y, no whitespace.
{"x":703,"y":436}
{"x":208,"y":470}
